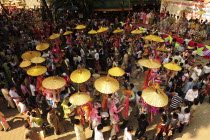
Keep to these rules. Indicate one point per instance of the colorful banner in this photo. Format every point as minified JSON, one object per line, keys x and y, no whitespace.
{"x":192,"y":8}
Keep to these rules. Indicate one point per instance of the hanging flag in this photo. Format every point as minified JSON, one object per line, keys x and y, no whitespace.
{"x":199,"y":50}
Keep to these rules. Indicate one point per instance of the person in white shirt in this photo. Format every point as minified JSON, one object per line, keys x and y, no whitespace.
{"x":96,"y":56}
{"x":177,"y":57}
{"x":98,"y":134}
{"x":14,"y":96}
{"x":22,"y":106}
{"x":196,"y":72}
{"x":186,"y":119}
{"x":206,"y":70}
{"x":32,"y":89}
{"x":128,"y":133}
{"x":191,"y":95}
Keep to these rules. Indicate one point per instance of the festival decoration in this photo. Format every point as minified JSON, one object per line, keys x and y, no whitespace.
{"x":107,"y":85}
{"x":30,"y":54}
{"x":25,"y":63}
{"x":54,"y":83}
{"x":80,"y":75}
{"x":42,"y":46}
{"x":172,"y":66}
{"x":92,"y":32}
{"x":36,"y":70}
{"x":54,"y":36}
{"x":37,"y":60}
{"x":116,"y":71}
{"x":155,"y":97}
{"x":79,"y":98}
{"x":149,"y":63}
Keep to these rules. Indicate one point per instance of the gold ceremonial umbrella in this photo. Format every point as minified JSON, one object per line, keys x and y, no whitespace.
{"x":137,"y":31}
{"x":201,"y":12}
{"x":68,"y":32}
{"x":172,"y":66}
{"x":165,"y":2}
{"x":80,"y":75}
{"x":54,"y":36}
{"x":79,"y":27}
{"x":42,"y":46}
{"x":150,"y":37}
{"x":149,"y":63}
{"x":102,"y":29}
{"x":118,"y":31}
{"x":30,"y":54}
{"x":158,"y":39}
{"x":38,"y":60}
{"x":36,"y":70}
{"x":107,"y":85}
{"x":163,"y":50}
{"x":116,"y":71}
{"x":79,"y":98}
{"x":25,"y":63}
{"x":20,"y":7}
{"x":92,"y":32}
{"x":155,"y":97}
{"x":54,"y":83}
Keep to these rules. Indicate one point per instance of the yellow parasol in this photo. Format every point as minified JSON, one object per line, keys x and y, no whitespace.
{"x":172,"y":66}
{"x":36,"y":70}
{"x":42,"y":46}
{"x":25,"y":63}
{"x":54,"y":83}
{"x":164,"y":3}
{"x":107,"y":85}
{"x":30,"y":54}
{"x":38,"y":60}
{"x":158,"y":39}
{"x":92,"y":32}
{"x":137,"y":31}
{"x":118,"y":31}
{"x":150,"y":37}
{"x":201,"y":12}
{"x":68,"y":32}
{"x":163,"y":50}
{"x":79,"y":27}
{"x":20,"y":7}
{"x":155,"y":97}
{"x":102,"y":29}
{"x":79,"y":98}
{"x":116,"y":71}
{"x":54,"y":36}
{"x":80,"y":75}
{"x":154,"y":38}
{"x":149,"y":63}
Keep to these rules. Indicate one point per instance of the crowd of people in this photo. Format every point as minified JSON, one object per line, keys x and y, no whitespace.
{"x":197,"y":30}
{"x":186,"y":89}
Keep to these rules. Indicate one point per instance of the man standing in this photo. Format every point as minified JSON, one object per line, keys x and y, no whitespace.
{"x":14,"y":96}
{"x":196,"y":72}
{"x":98,"y":132}
{"x":142,"y":125}
{"x":191,"y":95}
{"x":54,"y":122}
